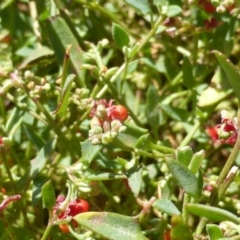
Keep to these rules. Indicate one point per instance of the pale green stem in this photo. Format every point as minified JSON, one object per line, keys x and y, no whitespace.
{"x":47,"y":231}
{"x":189,"y":136}
{"x":184,"y":210}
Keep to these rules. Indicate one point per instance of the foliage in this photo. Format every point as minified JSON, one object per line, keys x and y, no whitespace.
{"x":110,"y":114}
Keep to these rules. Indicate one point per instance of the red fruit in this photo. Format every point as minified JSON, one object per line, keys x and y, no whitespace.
{"x":212,"y":132}
{"x":3,"y":190}
{"x":74,"y":207}
{"x":79,"y":207}
{"x":209,"y":7}
{"x":212,"y":23}
{"x":167,"y":235}
{"x":118,"y":112}
{"x":64,"y":228}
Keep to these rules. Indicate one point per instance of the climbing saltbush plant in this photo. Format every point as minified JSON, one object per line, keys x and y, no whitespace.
{"x":119,"y":119}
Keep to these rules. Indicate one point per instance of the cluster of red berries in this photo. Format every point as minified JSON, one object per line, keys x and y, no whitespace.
{"x":226,"y":132}
{"x":106,"y":121}
{"x":73,"y":208}
{"x":209,"y":8}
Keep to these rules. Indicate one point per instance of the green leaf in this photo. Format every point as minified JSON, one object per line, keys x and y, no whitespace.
{"x":184,"y":155}
{"x":214,"y":232}
{"x":63,"y":103}
{"x":185,"y":178}
{"x":134,"y":175}
{"x":36,"y":56}
{"x":38,"y":182}
{"x":131,"y":136}
{"x":152,"y":108}
{"x":180,"y":230}
{"x":111,"y":225}
{"x":40,"y":161}
{"x":196,"y":161}
{"x":33,"y":136}
{"x":14,"y":121}
{"x":142,"y":5}
{"x":231,"y":72}
{"x":214,"y":214}
{"x":173,"y":10}
{"x":175,"y":113}
{"x":132,"y":66}
{"x":61,"y":36}
{"x":120,"y":36}
{"x":143,"y":142}
{"x":166,"y":206}
{"x":188,"y":79}
{"x":48,"y":195}
{"x":104,"y":176}
{"x":89,"y":151}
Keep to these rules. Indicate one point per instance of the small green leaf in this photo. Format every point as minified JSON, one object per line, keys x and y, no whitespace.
{"x":14,"y":121}
{"x":104,"y":176}
{"x":173,"y":10}
{"x":37,"y":55}
{"x":180,"y":230}
{"x":33,"y":136}
{"x":89,"y":151}
{"x":175,"y":113}
{"x":188,"y":79}
{"x":184,"y":155}
{"x":135,"y":179}
{"x":61,"y":36}
{"x":214,"y":232}
{"x":111,"y":225}
{"x":131,"y":136}
{"x":185,"y":178}
{"x":231,"y":72}
{"x":214,"y":214}
{"x":38,"y":182}
{"x":143,"y":142}
{"x":48,"y":195}
{"x":132,"y":66}
{"x":196,"y":162}
{"x":40,"y":161}
{"x":166,"y":206}
{"x":142,"y":5}
{"x":152,"y":108}
{"x":63,"y":103}
{"x":120,"y":36}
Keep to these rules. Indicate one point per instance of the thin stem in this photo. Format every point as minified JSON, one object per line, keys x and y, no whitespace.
{"x":25,"y":108}
{"x":184,"y":210}
{"x":161,"y":148}
{"x":47,"y":231}
{"x":113,"y":79}
{"x":4,"y":158}
{"x":124,"y":66}
{"x":230,"y":177}
{"x":189,"y":136}
{"x":149,"y":35}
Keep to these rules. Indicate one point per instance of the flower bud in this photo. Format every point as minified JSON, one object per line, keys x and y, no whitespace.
{"x":100,"y":111}
{"x":107,"y":138}
{"x":95,"y":141}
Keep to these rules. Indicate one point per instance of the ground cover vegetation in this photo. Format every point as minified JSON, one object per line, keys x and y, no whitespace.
{"x":119,"y":119}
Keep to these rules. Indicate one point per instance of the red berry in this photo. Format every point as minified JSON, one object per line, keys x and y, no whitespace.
{"x":118,"y":112}
{"x":80,"y":207}
{"x":64,"y":228}
{"x":209,"y":7}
